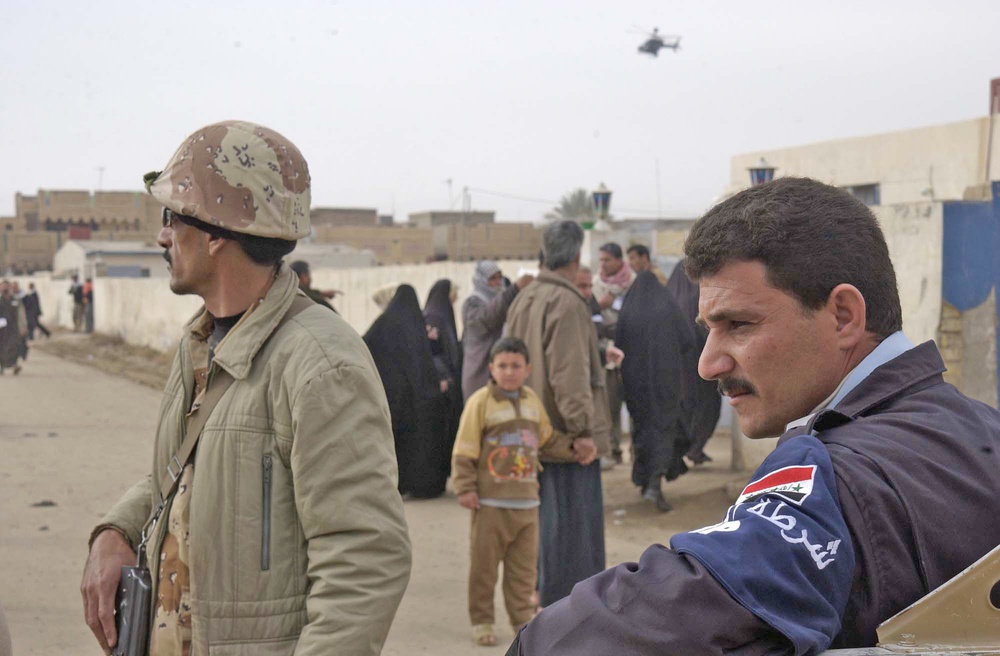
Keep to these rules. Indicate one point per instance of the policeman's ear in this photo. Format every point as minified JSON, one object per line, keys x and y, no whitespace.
{"x":848,"y":307}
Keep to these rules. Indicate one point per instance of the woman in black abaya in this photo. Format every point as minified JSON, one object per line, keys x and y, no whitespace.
{"x":439,"y":315}
{"x":398,"y":344}
{"x":708,"y":402}
{"x":658,"y":374}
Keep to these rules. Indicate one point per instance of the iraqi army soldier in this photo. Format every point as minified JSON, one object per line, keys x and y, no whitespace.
{"x":285,"y":533}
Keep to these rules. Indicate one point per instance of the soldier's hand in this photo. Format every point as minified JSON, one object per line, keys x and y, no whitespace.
{"x":524,"y":281}
{"x":585,"y":450}
{"x":109,"y":553}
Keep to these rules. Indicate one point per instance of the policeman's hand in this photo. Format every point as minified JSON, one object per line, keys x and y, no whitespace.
{"x":109,"y":553}
{"x":584,"y":450}
{"x":614,"y":354}
{"x":469,"y":500}
{"x":524,"y":281}
{"x":606,"y":302}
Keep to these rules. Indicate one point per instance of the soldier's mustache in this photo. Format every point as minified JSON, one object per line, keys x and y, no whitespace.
{"x":735,"y":387}
{"x":166,"y":256}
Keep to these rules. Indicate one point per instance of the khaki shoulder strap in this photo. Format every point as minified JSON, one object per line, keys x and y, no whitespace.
{"x":221,"y":381}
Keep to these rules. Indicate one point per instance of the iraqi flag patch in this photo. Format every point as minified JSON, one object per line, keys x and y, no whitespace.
{"x":793,"y":484}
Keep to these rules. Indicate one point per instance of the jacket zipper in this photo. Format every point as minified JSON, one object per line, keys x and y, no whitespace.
{"x":265,"y":544}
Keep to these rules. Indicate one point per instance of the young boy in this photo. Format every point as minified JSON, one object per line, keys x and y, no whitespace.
{"x":495,"y":474}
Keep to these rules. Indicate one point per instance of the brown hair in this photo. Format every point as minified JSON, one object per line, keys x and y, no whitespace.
{"x":810,"y":236}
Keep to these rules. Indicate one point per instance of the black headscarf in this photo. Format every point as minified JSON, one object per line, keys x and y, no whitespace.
{"x":658,"y":375}
{"x":398,"y":344}
{"x":440,"y":313}
{"x":707,"y":403}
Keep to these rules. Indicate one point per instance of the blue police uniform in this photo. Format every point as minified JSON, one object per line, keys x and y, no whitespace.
{"x":859,"y":511}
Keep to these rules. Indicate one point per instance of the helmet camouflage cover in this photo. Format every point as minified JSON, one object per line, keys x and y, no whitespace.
{"x":240,"y":176}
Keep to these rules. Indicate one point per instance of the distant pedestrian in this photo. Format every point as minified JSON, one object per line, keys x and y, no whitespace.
{"x":22,"y":344}
{"x":495,"y":475}
{"x":639,"y":260}
{"x":707,"y":402}
{"x":33,"y":312}
{"x":611,"y":284}
{"x":659,"y":375}
{"x":88,"y":305}
{"x":483,"y":317}
{"x":13,"y":328}
{"x":553,"y":319}
{"x":301,"y":269}
{"x":76,"y":291}
{"x":399,"y":346}
{"x":446,"y":351}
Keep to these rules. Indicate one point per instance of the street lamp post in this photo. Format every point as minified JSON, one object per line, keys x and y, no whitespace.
{"x":761,"y":173}
{"x":602,"y":203}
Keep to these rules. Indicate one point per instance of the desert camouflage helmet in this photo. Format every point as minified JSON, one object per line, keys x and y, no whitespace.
{"x":240,"y":176}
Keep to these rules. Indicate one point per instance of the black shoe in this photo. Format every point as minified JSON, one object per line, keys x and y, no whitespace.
{"x":699,"y":458}
{"x":655,"y":495}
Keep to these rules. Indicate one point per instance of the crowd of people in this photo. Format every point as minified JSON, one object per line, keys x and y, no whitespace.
{"x":273,"y":515}
{"x":20,"y":313}
{"x":526,"y":453}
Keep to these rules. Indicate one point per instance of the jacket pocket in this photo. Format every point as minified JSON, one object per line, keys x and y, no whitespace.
{"x":265,"y":533}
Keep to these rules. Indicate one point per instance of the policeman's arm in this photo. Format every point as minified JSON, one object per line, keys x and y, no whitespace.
{"x":772,"y":577}
{"x":344,"y":471}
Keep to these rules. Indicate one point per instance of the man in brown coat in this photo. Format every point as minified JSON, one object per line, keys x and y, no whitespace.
{"x":553,"y":318}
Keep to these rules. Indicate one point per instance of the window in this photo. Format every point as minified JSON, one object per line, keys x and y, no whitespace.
{"x":869,"y":194}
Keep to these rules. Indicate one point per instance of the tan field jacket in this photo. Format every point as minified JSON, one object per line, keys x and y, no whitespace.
{"x":314,"y":556}
{"x":553,"y":318}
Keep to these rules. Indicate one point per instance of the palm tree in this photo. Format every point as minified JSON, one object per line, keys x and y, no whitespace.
{"x":576,"y":206}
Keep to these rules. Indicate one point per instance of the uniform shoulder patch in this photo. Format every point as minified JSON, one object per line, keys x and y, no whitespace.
{"x":793,"y":484}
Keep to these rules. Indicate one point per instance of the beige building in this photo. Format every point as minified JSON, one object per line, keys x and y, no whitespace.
{"x":938,"y":162}
{"x":343,"y":216}
{"x":492,"y":241}
{"x":448,"y":217}
{"x":103,"y":212}
{"x":112,"y":259}
{"x":23,"y":252}
{"x":389,"y":244}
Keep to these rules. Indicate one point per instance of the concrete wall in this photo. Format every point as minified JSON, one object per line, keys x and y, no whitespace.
{"x":931,"y":163}
{"x":145,"y":312}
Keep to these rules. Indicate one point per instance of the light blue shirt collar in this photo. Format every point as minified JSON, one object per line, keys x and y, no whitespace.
{"x":891,"y":347}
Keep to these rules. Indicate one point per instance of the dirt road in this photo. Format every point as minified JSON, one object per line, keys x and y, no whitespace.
{"x":72,"y":439}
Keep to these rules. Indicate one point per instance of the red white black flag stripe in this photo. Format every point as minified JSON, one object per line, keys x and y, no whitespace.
{"x":793,"y":484}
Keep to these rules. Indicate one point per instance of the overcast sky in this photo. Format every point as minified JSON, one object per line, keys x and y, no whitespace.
{"x":388,"y":100}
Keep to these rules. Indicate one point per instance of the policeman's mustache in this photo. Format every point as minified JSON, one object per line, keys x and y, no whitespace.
{"x":735,"y":387}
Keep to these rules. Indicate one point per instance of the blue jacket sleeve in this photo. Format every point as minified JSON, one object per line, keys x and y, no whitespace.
{"x":772,"y":578}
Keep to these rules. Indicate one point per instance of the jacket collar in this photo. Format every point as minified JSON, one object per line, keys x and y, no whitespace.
{"x":235,"y":354}
{"x":500,"y":395}
{"x":915,"y":369}
{"x":919,"y":367}
{"x":546,"y":276}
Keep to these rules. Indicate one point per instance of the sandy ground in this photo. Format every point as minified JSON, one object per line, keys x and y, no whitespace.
{"x":73,"y":438}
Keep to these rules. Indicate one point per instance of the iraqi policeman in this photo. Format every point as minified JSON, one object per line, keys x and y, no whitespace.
{"x":882,"y":486}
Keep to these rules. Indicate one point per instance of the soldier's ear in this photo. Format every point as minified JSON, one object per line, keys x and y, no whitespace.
{"x":216,"y":244}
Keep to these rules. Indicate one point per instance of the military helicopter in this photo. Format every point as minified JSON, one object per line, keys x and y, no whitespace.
{"x":656,"y":41}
